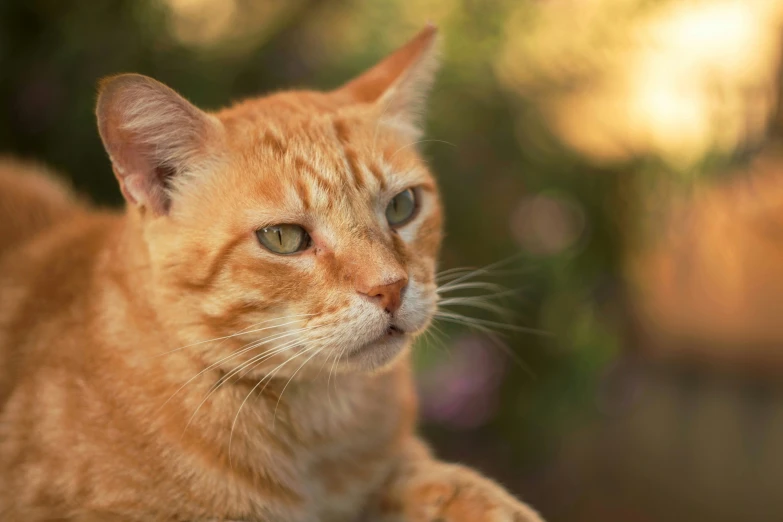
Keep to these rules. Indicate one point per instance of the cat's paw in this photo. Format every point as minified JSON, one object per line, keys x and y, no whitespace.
{"x":451,"y":493}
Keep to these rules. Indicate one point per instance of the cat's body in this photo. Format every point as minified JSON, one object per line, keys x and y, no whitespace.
{"x":160,"y":365}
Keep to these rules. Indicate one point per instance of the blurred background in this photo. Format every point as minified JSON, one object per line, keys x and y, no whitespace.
{"x":622,"y":156}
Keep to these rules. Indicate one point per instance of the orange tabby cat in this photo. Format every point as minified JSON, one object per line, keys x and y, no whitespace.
{"x":235,"y":345}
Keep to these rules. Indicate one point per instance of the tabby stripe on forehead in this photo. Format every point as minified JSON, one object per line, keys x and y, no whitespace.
{"x":304,"y":193}
{"x":378,"y":175}
{"x":355,"y":168}
{"x":275,"y":142}
{"x":303,"y":167}
{"x":341,"y":130}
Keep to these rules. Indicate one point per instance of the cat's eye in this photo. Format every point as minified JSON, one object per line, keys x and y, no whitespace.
{"x":401,"y":208}
{"x":284,"y":239}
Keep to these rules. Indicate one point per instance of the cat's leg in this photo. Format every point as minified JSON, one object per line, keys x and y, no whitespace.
{"x":423,"y":489}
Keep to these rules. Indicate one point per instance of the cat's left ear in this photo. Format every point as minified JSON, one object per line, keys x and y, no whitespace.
{"x":399,"y":84}
{"x":154,"y":137}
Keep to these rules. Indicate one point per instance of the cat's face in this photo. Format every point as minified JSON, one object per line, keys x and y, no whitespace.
{"x":298,"y":228}
{"x":341,"y":272}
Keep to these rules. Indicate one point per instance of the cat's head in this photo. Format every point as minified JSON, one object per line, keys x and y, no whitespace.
{"x":298,"y":224}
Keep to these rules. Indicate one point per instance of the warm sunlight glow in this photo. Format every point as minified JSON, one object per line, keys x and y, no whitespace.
{"x":679,"y":81}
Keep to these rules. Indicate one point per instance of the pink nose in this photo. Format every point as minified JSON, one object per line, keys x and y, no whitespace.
{"x":388,"y":296}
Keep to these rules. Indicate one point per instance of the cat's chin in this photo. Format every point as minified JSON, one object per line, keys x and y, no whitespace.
{"x":378,"y":353}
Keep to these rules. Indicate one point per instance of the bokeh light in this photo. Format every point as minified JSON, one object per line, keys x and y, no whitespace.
{"x":675,"y":79}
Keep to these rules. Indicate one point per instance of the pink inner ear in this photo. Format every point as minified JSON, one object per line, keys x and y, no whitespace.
{"x":150,"y":191}
{"x":129,"y":161}
{"x":151,"y":133}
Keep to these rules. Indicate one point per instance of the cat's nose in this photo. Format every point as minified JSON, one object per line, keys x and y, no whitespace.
{"x":388,"y":295}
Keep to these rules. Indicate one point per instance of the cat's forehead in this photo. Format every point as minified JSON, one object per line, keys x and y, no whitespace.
{"x":279,"y":109}
{"x":316,"y":159}
{"x":317,"y":166}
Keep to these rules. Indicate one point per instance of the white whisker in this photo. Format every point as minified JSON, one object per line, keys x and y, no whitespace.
{"x":475,"y":302}
{"x":485,"y":324}
{"x":274,"y":415}
{"x":471,"y":286}
{"x":215,"y":387}
{"x":244,"y":331}
{"x":450,"y":271}
{"x":513,"y":355}
{"x":453,"y":273}
{"x":336,"y":356}
{"x":433,"y":339}
{"x":488,"y":269}
{"x":267,"y":378}
{"x":336,"y":359}
{"x":241,"y":350}
{"x":255,"y":360}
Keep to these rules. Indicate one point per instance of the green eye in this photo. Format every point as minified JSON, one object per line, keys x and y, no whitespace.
{"x":401,"y":208}
{"x":284,"y":239}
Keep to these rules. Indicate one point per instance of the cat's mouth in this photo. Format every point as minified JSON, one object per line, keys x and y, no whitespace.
{"x":381,"y":349}
{"x":394,"y":331}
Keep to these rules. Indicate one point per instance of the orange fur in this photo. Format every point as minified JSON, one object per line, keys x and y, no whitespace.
{"x":116,"y":328}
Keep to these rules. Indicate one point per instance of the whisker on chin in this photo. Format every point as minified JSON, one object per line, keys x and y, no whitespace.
{"x":232,"y":355}
{"x":268,"y":379}
{"x":249,"y":365}
{"x":252,"y":363}
{"x":337,"y":358}
{"x":274,"y":416}
{"x":257,"y":359}
{"x":336,"y":355}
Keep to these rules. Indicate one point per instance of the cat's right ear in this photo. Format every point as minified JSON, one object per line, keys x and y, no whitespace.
{"x":399,"y":84}
{"x":152,"y":136}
